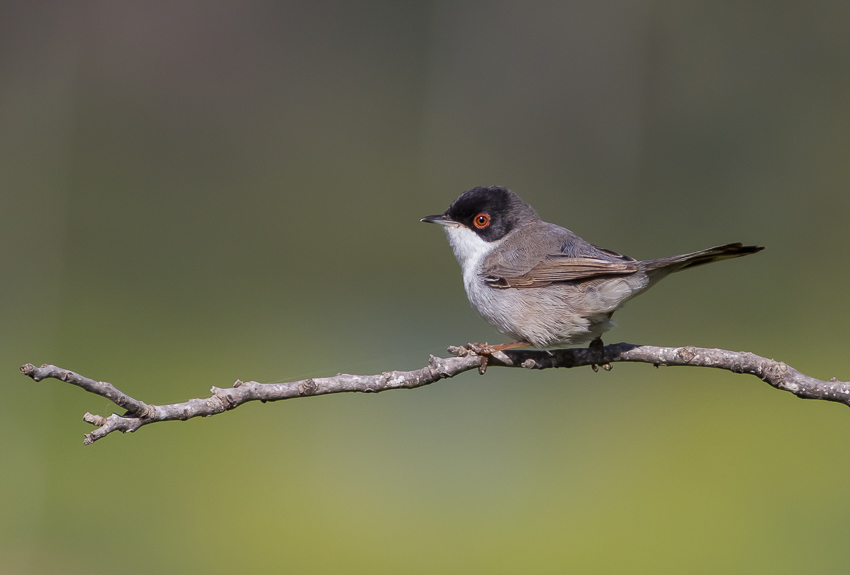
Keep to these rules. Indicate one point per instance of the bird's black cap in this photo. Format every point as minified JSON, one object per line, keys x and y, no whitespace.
{"x":489,"y":211}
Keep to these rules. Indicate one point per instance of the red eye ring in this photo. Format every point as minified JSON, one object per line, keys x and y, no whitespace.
{"x":481,"y":221}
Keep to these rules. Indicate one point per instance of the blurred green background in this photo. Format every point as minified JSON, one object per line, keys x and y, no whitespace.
{"x":195,"y":192}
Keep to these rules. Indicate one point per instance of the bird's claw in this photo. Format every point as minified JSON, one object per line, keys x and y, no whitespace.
{"x":480,"y":349}
{"x":598,"y":348}
{"x":484,"y":351}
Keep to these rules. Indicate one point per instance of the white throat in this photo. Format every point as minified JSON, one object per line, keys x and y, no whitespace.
{"x":469,"y":250}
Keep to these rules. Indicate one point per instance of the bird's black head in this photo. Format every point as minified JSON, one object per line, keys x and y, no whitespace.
{"x":489,"y":211}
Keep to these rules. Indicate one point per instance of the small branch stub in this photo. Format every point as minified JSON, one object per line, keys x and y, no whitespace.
{"x":138,"y":413}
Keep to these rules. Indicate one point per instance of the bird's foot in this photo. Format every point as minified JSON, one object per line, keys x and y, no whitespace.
{"x":598,"y":348}
{"x":480,"y":348}
{"x":486,"y":350}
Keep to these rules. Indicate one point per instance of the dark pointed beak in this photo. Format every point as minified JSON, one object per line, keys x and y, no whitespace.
{"x":441,"y":219}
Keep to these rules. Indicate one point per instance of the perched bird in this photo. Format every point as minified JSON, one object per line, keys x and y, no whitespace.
{"x":540,"y":283}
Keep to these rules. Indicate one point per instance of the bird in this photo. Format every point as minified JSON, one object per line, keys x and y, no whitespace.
{"x":541,"y":284}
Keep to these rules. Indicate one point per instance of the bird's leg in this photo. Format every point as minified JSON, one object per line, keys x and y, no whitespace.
{"x":597,"y":347}
{"x":486,"y":350}
{"x":511,"y":345}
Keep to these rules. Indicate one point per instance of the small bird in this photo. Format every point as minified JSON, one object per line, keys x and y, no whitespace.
{"x":540,"y":283}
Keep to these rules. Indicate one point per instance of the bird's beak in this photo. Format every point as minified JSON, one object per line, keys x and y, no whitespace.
{"x":441,"y":219}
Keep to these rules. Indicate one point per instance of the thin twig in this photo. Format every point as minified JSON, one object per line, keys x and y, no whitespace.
{"x":776,"y":373}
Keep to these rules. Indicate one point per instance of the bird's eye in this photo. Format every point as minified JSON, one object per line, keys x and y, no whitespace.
{"x":481,"y":221}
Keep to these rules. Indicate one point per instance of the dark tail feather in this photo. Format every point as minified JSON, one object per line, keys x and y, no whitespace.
{"x":656,"y":269}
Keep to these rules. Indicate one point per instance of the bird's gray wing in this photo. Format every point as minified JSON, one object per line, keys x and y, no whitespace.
{"x":543,"y":254}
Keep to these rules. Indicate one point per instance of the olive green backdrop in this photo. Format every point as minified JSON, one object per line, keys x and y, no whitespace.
{"x":198,"y":191}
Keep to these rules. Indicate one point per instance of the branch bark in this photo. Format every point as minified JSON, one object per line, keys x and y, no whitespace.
{"x":138,"y":413}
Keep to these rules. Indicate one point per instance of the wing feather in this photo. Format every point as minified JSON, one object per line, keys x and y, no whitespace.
{"x":557,"y":268}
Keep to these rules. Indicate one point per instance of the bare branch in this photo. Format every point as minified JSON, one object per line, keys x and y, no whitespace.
{"x":138,"y":413}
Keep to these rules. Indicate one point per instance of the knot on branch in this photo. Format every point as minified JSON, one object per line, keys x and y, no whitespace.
{"x":147,"y":412}
{"x":307,"y":387}
{"x":687,"y":353}
{"x":779,"y":370}
{"x":225,"y":402}
{"x":96,"y":420}
{"x":438,"y":367}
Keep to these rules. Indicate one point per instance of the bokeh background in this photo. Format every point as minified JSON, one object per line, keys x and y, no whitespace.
{"x":193,"y":192}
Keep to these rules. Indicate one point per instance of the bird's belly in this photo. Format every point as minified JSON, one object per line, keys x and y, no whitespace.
{"x":560,"y":314}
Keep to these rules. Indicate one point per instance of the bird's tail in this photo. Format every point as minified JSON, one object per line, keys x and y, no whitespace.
{"x":657,"y":269}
